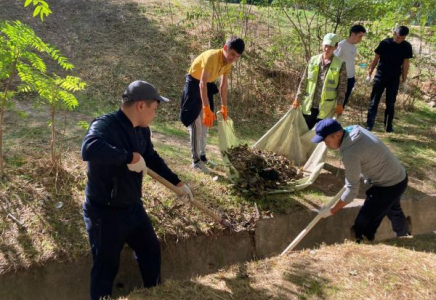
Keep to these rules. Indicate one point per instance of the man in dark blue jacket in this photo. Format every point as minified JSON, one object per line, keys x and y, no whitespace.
{"x":119,"y":150}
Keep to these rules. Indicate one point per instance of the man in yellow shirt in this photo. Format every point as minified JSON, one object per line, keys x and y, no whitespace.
{"x":196,"y":111}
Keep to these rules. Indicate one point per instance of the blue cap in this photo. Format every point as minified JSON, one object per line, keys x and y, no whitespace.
{"x":324,"y":128}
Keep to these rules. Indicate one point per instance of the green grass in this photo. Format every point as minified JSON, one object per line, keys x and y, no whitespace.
{"x":173,"y":129}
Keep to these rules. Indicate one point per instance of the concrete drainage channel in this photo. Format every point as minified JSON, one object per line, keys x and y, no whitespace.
{"x":201,"y":255}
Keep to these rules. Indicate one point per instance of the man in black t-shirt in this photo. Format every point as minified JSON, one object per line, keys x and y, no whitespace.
{"x":392,"y":56}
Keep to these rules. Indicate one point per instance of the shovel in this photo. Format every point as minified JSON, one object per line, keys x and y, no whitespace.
{"x":194,"y":202}
{"x":311,"y":224}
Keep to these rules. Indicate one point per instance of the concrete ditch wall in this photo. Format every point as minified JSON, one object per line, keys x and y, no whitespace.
{"x":201,"y":255}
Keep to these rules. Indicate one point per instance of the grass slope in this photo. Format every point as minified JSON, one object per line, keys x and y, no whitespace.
{"x":396,"y":269}
{"x":115,"y":42}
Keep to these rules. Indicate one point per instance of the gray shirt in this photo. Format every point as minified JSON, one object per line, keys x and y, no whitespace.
{"x":364,"y":155}
{"x":347,"y":52}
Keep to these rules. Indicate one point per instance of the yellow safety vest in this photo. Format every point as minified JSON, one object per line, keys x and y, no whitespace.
{"x":329,"y":90}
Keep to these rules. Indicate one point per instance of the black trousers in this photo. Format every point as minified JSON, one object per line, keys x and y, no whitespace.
{"x":381,"y":202}
{"x":108,"y":230}
{"x":378,"y":88}
{"x":191,"y":104}
{"x":312,"y":119}
{"x":350,"y":85}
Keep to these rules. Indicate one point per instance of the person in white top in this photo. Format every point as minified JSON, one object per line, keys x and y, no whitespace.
{"x":347,"y":52}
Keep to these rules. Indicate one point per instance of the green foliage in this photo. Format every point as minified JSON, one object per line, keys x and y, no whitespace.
{"x":195,"y":15}
{"x":57,"y":91}
{"x":83,"y":125}
{"x":41,"y":8}
{"x":22,"y":55}
{"x":18,"y":56}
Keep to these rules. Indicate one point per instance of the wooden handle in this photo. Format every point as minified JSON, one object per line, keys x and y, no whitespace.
{"x":313,"y":223}
{"x":176,"y":190}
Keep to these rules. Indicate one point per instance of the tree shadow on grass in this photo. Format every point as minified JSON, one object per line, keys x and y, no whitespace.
{"x":50,"y":217}
{"x":112,"y":43}
{"x":297,"y":281}
{"x":308,"y":283}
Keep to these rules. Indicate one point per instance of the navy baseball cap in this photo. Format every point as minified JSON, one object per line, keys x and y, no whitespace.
{"x":324,"y":128}
{"x":142,"y":90}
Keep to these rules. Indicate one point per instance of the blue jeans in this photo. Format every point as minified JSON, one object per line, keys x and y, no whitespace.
{"x":109,"y":229}
{"x":381,"y":202}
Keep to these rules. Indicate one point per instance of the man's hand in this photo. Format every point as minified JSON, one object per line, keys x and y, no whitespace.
{"x":224,"y":111}
{"x":137,"y":164}
{"x":403,"y":86}
{"x":184,"y":188}
{"x":339,"y":110}
{"x":325,"y":212}
{"x":208,"y":116}
{"x":296,"y":104}
{"x":368,"y":80}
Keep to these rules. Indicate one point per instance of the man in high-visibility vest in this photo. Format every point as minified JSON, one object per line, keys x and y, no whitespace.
{"x":322,"y":89}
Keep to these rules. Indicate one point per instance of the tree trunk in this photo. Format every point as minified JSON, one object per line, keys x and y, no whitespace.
{"x":2,"y":112}
{"x":53,"y":136}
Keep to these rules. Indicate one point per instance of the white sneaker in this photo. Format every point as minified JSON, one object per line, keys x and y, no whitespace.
{"x":200,"y":167}
{"x":406,"y":236}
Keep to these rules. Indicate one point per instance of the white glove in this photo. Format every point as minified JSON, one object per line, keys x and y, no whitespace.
{"x":403,"y":86}
{"x":325,"y":212}
{"x":138,"y":166}
{"x":368,"y":80}
{"x":187,"y":194}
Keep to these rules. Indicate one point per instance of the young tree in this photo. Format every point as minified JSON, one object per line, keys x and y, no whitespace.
{"x":56,"y":92}
{"x":22,"y":69}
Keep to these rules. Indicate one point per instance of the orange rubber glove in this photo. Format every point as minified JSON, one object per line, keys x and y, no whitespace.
{"x":295,"y":104}
{"x":208,"y":116}
{"x":339,"y":109}
{"x":224,"y":111}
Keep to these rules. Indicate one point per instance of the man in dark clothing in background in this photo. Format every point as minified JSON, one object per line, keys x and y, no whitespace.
{"x":392,"y":56}
{"x":119,"y":150}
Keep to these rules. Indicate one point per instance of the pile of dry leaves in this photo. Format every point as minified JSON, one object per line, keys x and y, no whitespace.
{"x":261,"y":170}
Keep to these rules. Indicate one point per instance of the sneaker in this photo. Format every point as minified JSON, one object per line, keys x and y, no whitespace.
{"x":199,"y":166}
{"x":207,"y":162}
{"x":406,"y":236}
{"x":368,"y":128}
